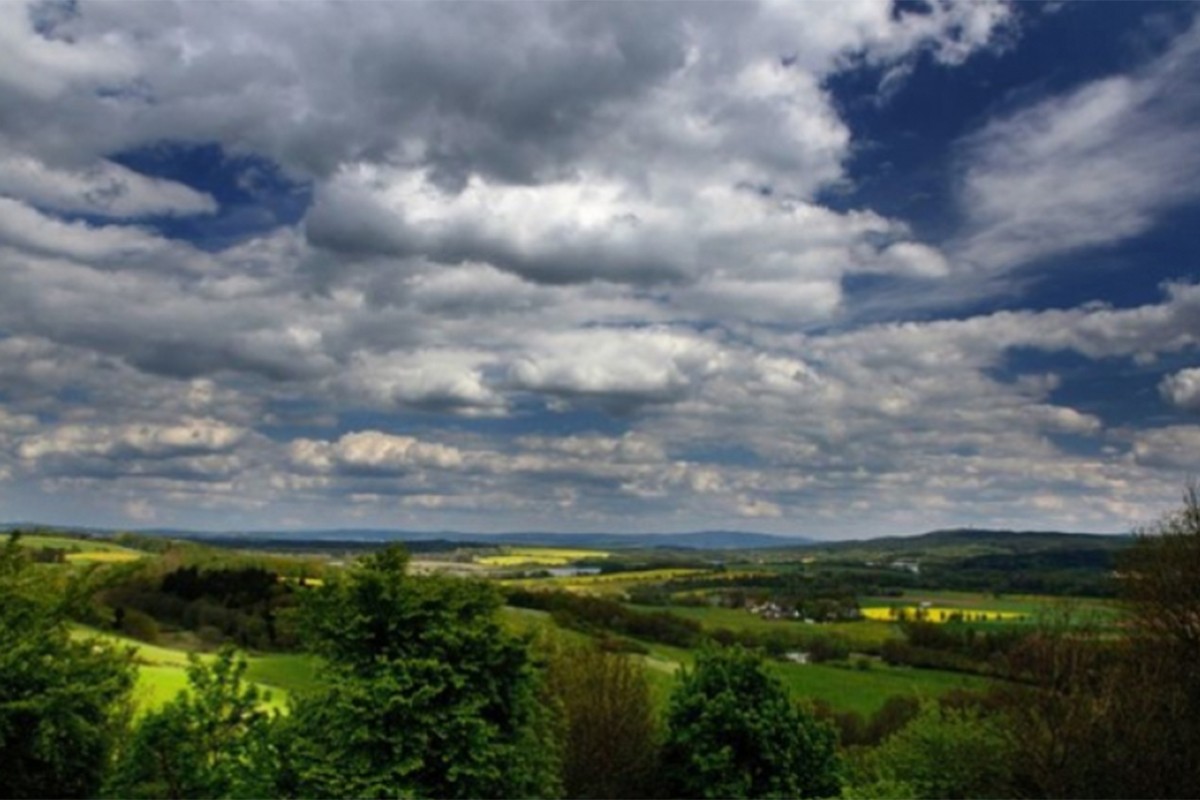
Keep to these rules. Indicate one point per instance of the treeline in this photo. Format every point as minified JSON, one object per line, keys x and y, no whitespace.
{"x":598,"y":615}
{"x":250,"y":606}
{"x":957,"y":648}
{"x":617,"y":626}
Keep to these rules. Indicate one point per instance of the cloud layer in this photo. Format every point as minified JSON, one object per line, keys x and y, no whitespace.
{"x":587,"y":279}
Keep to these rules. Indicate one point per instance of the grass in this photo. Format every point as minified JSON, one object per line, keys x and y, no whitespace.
{"x":162,"y":671}
{"x":841,"y":686}
{"x":865,"y":691}
{"x":291,"y":672}
{"x":734,"y":619}
{"x":845,"y":688}
{"x":1013,"y":609}
{"x":82,"y":550}
{"x":1019,"y":603}
{"x":864,"y":635}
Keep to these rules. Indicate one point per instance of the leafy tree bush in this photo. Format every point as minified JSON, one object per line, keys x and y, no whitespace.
{"x":211,"y":741}
{"x":595,"y":615}
{"x":853,"y":730}
{"x":609,"y":731}
{"x":733,"y":731}
{"x":943,"y":753}
{"x":1104,"y":717}
{"x":136,"y":624}
{"x":424,"y":693}
{"x":63,"y":703}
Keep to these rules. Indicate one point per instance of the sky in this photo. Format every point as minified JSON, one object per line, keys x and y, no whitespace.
{"x":834,"y":269}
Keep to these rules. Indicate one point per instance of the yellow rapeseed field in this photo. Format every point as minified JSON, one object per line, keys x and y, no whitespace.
{"x":610,"y":583}
{"x":938,"y":614}
{"x":538,"y":556}
{"x":105,"y":556}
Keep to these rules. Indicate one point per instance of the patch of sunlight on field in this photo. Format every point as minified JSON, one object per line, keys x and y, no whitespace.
{"x":613,"y":581}
{"x":104,"y":557}
{"x":158,"y":685}
{"x":144,"y":653}
{"x":82,"y":550}
{"x":538,"y":556}
{"x":162,"y":671}
{"x":297,"y":581}
{"x":939,"y":614}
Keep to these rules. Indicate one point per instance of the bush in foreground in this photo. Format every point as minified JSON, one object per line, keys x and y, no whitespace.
{"x":733,"y":731}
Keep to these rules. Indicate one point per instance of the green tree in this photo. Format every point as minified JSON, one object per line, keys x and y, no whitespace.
{"x":1119,"y":717}
{"x":609,"y":731}
{"x":424,"y":693}
{"x":213,"y":740}
{"x":1157,"y":727}
{"x":63,"y":703}
{"x":733,"y":731}
{"x":946,"y":753}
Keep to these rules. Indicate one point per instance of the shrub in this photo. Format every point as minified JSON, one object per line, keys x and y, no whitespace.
{"x":733,"y":731}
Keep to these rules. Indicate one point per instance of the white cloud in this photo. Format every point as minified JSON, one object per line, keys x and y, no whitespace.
{"x":1175,"y":447}
{"x":616,"y":367}
{"x":448,"y":380}
{"x":1183,"y":389}
{"x":101,"y":188}
{"x":43,"y":68}
{"x":616,"y":217}
{"x":1091,"y":167}
{"x":190,"y":437}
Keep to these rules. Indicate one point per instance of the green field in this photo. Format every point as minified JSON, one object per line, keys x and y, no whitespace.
{"x":614,"y":583}
{"x":289,"y":672}
{"x":162,"y":671}
{"x":842,"y":686}
{"x":865,"y":691}
{"x":860,"y":635}
{"x":1016,"y":603}
{"x":82,"y":550}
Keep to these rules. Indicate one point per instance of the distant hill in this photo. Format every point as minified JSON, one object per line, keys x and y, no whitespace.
{"x":360,"y":537}
{"x":955,"y":543}
{"x":979,"y":542}
{"x":699,"y":540}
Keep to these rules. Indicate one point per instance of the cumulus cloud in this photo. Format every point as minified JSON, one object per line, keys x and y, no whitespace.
{"x":1182,"y":389}
{"x":588,"y":279}
{"x":621,"y":367}
{"x":141,"y":441}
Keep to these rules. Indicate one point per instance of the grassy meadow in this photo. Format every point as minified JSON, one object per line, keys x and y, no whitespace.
{"x":162,"y":671}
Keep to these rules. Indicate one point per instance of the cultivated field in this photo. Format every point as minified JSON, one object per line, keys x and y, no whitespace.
{"x":939,"y":614}
{"x":538,"y":556}
{"x":162,"y":671}
{"x":82,"y":550}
